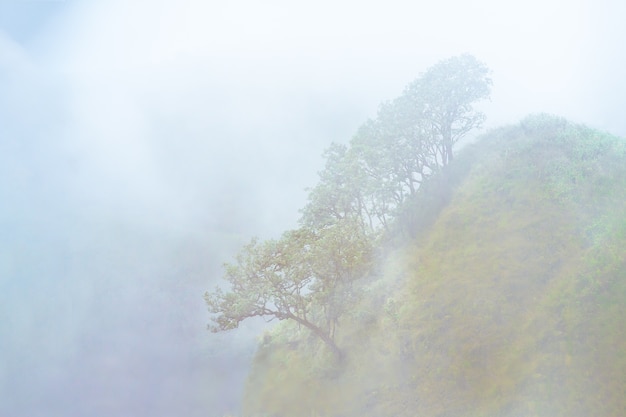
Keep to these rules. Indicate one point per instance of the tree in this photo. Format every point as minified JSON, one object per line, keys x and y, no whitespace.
{"x":307,"y":275}
{"x":444,"y":96}
{"x":338,"y":195}
{"x":348,"y":190}
{"x":289,"y":278}
{"x":341,"y":255}
{"x":396,"y":152}
{"x":410,"y":139}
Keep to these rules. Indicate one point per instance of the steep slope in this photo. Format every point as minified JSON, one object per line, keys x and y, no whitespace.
{"x":508,"y":301}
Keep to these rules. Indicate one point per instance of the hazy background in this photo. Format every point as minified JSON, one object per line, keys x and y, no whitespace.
{"x":141,"y":143}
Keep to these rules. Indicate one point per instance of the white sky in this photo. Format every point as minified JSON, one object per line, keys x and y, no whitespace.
{"x":261,"y":70}
{"x":262,"y":84}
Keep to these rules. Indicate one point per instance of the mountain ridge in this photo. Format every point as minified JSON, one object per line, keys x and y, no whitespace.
{"x":507,"y":300}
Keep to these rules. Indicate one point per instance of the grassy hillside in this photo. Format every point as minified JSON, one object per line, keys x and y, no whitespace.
{"x":509,"y":300}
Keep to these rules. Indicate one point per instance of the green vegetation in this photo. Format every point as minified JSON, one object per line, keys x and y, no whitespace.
{"x":509,"y":301}
{"x":285,"y":278}
{"x":307,"y":275}
{"x":490,"y":283}
{"x":391,"y":156}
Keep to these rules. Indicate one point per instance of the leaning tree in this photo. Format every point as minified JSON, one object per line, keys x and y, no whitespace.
{"x":305,"y":276}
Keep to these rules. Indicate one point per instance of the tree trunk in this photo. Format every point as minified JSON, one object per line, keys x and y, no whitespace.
{"x":321,"y":334}
{"x":447,"y":144}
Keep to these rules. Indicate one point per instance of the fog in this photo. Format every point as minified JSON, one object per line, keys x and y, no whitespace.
{"x":142,"y":143}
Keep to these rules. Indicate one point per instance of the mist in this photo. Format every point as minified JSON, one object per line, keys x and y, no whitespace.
{"x":142,"y":144}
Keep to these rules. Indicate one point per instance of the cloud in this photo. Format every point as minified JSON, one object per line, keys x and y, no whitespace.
{"x":12,"y":56}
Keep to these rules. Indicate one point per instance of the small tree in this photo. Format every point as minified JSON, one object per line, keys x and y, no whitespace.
{"x":290,"y":277}
{"x":444,"y":95}
{"x":339,"y":194}
{"x":410,"y":139}
{"x":396,"y":152}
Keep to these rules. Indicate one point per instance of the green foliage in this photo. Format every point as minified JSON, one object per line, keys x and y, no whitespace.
{"x":445,"y":95}
{"x":338,"y":195}
{"x":393,"y":155}
{"x":304,"y":276}
{"x":510,"y":303}
{"x":342,"y":254}
{"x":307,"y":275}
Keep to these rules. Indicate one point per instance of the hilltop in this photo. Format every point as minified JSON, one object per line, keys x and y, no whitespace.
{"x":500,"y":292}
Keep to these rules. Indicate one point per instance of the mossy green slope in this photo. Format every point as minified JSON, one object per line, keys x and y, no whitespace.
{"x":511,"y":301}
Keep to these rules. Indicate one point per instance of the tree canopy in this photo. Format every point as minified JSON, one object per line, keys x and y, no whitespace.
{"x":411,"y":139}
{"x":307,"y":275}
{"x":445,"y":95}
{"x":304,"y":276}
